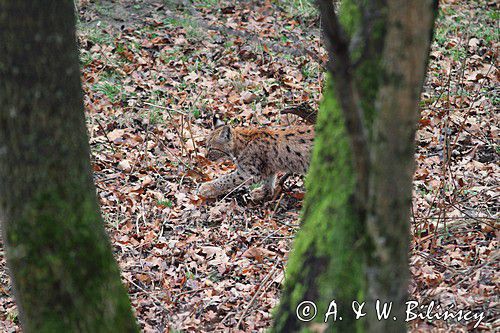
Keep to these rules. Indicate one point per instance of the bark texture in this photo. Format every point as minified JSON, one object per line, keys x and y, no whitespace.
{"x":353,"y":244}
{"x":64,"y":273}
{"x":409,"y":35}
{"x":327,"y":251}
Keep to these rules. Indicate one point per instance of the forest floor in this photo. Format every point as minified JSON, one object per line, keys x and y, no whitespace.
{"x":154,"y":73}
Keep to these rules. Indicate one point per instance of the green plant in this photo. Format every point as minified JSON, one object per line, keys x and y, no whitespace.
{"x":166,"y":203}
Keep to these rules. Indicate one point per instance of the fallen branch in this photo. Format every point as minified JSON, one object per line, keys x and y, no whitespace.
{"x":271,"y":273}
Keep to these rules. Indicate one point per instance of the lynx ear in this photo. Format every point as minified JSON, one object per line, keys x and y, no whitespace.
{"x":217,"y":122}
{"x":225,"y":134}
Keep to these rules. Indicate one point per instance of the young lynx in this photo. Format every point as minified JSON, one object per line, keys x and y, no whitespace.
{"x":259,"y":153}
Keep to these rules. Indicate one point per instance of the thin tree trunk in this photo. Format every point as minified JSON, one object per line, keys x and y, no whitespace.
{"x":327,"y":250}
{"x":64,"y":273}
{"x":353,"y":244}
{"x":409,"y":35}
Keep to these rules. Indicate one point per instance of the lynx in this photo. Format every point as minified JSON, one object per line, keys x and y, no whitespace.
{"x":259,"y":153}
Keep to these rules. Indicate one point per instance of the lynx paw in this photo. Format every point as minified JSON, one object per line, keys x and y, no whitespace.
{"x":206,"y":190}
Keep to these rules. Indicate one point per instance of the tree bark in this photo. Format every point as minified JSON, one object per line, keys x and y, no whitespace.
{"x":409,"y":35}
{"x":353,"y":243}
{"x":64,"y":274}
{"x":322,"y":260}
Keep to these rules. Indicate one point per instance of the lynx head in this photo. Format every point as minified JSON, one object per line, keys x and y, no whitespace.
{"x":219,"y":143}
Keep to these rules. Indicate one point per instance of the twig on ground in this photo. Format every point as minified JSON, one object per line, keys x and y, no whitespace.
{"x":263,"y":282}
{"x":236,"y":188}
{"x":106,"y":135}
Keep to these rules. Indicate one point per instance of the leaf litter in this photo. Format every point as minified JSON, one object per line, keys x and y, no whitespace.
{"x":155,"y":72}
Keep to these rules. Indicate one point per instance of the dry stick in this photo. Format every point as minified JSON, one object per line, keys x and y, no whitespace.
{"x":106,"y":135}
{"x":454,"y":195}
{"x":227,"y":316}
{"x":181,"y":138}
{"x":447,"y":143}
{"x":276,"y":207}
{"x":476,"y":218}
{"x":494,"y":260}
{"x":104,"y":65}
{"x":270,"y":236}
{"x":437,"y":262}
{"x":445,"y":157}
{"x":466,"y":274}
{"x":432,"y":107}
{"x":471,"y":104}
{"x":417,"y":230}
{"x":483,"y":139}
{"x":448,"y":81}
{"x":183,"y":146}
{"x":434,"y":199}
{"x":137,"y":224}
{"x":145,"y":147}
{"x":92,"y":131}
{"x":433,"y":216}
{"x":176,"y":157}
{"x":237,"y":187}
{"x":456,"y":218}
{"x":146,"y":157}
{"x":164,"y":108}
{"x":192,"y":291}
{"x":462,"y":73}
{"x":97,"y":73}
{"x":191,"y":135}
{"x":148,"y":293}
{"x":453,"y":203}
{"x":189,"y":124}
{"x":454,"y":144}
{"x":257,"y":293}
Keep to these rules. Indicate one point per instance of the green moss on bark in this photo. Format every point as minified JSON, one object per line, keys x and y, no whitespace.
{"x":342,"y":247}
{"x":66,"y":278}
{"x":350,"y":16}
{"x":63,"y":270}
{"x":325,"y":263}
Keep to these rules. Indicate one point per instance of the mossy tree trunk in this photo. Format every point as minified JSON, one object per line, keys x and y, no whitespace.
{"x":64,"y":274}
{"x":353,"y":243}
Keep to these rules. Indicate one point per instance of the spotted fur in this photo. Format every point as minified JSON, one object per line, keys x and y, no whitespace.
{"x":259,"y":153}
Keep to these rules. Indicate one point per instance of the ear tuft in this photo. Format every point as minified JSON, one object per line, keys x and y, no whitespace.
{"x":217,"y":122}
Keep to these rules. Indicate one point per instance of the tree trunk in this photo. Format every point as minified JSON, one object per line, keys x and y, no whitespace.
{"x":409,"y":35}
{"x":64,"y":274}
{"x":353,"y":243}
{"x":327,"y":250}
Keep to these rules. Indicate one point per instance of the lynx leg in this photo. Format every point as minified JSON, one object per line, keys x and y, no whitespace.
{"x":265,"y":190}
{"x":223,"y":184}
{"x":279,"y":187}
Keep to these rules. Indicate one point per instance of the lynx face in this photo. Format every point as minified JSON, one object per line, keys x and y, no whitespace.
{"x":219,"y":143}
